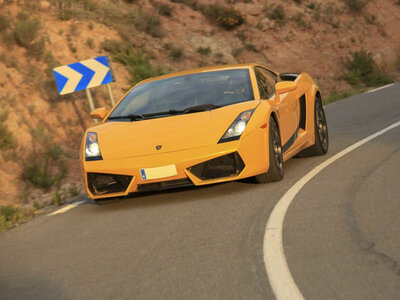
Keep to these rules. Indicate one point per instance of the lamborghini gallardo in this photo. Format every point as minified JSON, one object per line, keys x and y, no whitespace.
{"x":203,"y":126}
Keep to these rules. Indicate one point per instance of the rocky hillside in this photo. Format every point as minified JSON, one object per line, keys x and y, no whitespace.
{"x":344,"y":44}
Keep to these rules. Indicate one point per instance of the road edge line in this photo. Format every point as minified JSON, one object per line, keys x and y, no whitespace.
{"x":66,"y":208}
{"x":279,"y":276}
{"x":380,"y":88}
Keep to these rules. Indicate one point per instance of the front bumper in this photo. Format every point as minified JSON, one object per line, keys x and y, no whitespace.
{"x":247,"y":157}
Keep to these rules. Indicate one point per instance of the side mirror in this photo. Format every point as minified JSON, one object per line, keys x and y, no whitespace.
{"x":99,"y":113}
{"x":284,"y":87}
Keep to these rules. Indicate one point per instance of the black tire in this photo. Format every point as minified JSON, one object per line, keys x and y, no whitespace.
{"x":321,"y":133}
{"x":275,"y":171}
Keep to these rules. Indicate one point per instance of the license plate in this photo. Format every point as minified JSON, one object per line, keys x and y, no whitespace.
{"x":158,"y":172}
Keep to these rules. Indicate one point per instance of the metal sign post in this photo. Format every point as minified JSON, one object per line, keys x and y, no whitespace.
{"x":90,"y":100}
{"x":84,"y":75}
{"x":111,"y":94}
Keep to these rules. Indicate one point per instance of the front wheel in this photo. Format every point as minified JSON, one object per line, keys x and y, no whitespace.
{"x":320,"y":131}
{"x":275,"y":171}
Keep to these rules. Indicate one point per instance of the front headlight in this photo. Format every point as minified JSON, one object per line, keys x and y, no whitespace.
{"x":237,"y":127}
{"x":92,"y":149}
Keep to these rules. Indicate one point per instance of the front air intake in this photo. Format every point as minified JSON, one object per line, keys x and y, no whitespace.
{"x":224,"y":166}
{"x":100,"y":184}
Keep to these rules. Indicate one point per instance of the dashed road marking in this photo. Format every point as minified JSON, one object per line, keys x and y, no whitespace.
{"x":66,"y":208}
{"x":280,"y":278}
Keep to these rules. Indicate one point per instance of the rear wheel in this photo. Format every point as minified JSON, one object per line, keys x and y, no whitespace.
{"x":275,"y":171}
{"x":321,"y":133}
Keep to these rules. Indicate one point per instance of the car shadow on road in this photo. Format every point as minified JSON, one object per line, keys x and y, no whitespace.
{"x":175,"y":195}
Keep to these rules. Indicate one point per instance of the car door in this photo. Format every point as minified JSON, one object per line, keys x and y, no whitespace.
{"x":287,"y":105}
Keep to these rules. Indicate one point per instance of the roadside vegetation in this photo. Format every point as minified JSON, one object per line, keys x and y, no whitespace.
{"x":356,"y":5}
{"x":112,"y":14}
{"x":335,"y":95}
{"x":8,"y":142}
{"x":362,"y":73}
{"x":226,"y":17}
{"x":136,"y":62}
{"x":11,"y":215}
{"x":45,"y":166}
{"x":362,"y":70}
{"x":276,"y":13}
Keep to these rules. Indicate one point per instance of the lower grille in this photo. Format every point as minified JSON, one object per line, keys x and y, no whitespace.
{"x":224,"y":166}
{"x":100,"y":184}
{"x":163,"y":185}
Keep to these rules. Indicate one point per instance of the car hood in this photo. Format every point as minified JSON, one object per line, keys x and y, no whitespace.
{"x":173,"y":133}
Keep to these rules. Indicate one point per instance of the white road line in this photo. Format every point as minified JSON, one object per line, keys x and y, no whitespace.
{"x":66,"y":208}
{"x":379,"y":88}
{"x":279,"y":275}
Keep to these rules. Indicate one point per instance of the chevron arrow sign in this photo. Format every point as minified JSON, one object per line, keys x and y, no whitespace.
{"x":82,"y":75}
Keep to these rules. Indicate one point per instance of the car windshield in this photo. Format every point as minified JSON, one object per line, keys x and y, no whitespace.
{"x":185,"y":94}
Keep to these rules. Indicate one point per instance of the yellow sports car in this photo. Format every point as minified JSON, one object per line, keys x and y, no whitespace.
{"x":203,"y":126}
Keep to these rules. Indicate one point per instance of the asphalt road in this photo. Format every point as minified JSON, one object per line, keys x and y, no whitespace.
{"x":341,"y":234}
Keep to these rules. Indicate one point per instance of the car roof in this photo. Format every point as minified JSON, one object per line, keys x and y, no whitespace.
{"x":201,"y":70}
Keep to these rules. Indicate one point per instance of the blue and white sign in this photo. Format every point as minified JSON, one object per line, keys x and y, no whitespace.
{"x":82,"y":75}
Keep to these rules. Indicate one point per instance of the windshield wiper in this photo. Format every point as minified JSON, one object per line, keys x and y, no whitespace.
{"x":187,"y":110}
{"x":199,"y":108}
{"x":131,"y":117}
{"x":164,"y":113}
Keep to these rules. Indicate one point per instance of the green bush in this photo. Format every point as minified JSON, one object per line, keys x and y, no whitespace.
{"x":45,"y":166}
{"x":150,"y":24}
{"x":237,"y":51}
{"x":65,"y":9}
{"x":311,"y":5}
{"x":136,"y":62}
{"x":8,"y":39}
{"x":363,"y":69}
{"x":162,"y":8}
{"x":73,"y":191}
{"x":226,"y":17}
{"x":4,"y":22}
{"x":90,"y":43}
{"x":26,"y":31}
{"x":7,"y":139}
{"x":356,"y":5}
{"x":57,"y":198}
{"x":204,"y":50}
{"x":9,"y":215}
{"x":276,"y":13}
{"x":299,"y":19}
{"x":40,"y":175}
{"x":138,"y":65}
{"x":176,"y":53}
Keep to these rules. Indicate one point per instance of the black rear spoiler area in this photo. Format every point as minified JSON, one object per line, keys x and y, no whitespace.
{"x":288,"y":76}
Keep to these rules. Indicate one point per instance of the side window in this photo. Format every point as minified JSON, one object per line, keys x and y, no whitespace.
{"x":271,"y":76}
{"x":271,"y":79}
{"x":262,"y":84}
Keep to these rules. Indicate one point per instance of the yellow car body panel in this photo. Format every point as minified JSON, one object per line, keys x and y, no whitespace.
{"x":190,"y":139}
